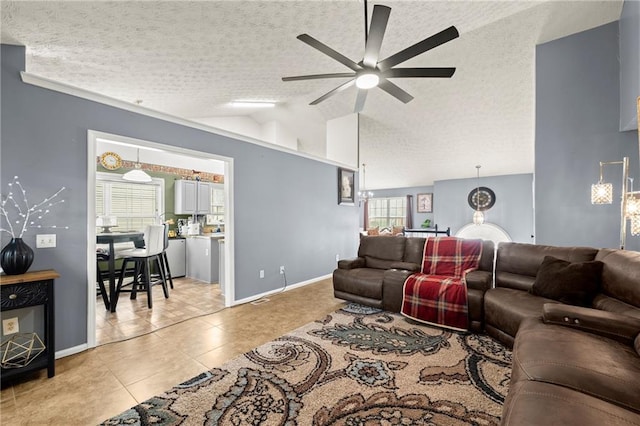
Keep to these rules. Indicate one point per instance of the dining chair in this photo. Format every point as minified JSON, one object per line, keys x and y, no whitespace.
{"x":101,"y":275}
{"x":144,"y":258}
{"x":164,"y":259}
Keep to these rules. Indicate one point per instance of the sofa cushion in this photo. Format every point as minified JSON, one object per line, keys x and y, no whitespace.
{"x":566,"y":282}
{"x":525,"y":259}
{"x":365,"y":282}
{"x":505,"y":308}
{"x":381,"y":252}
{"x":621,"y":275}
{"x":611,"y":304}
{"x":585,"y":362}
{"x":540,"y":404}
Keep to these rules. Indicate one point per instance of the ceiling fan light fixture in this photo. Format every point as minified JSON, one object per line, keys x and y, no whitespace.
{"x":367,"y":80}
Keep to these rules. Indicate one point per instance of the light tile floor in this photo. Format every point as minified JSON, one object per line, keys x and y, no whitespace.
{"x":188,"y":299}
{"x":99,"y":383}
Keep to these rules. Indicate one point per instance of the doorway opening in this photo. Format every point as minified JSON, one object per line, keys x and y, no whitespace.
{"x":180,"y":160}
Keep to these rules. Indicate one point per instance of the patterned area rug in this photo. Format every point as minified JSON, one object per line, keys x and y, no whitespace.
{"x":358,"y":366}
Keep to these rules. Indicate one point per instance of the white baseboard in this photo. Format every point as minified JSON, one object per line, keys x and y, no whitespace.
{"x":289,"y":287}
{"x":72,"y":351}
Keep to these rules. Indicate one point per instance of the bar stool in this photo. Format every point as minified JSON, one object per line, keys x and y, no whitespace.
{"x":143,"y":259}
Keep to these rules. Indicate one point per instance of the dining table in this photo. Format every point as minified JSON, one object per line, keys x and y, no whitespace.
{"x":111,"y":238}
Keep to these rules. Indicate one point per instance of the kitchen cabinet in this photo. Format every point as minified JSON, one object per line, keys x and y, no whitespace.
{"x":203,"y":259}
{"x":177,"y":257}
{"x":192,"y":196}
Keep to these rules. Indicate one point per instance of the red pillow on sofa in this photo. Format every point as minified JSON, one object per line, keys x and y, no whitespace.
{"x":566,"y":282}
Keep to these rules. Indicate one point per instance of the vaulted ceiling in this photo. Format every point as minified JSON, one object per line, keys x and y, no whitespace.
{"x":190,"y":59}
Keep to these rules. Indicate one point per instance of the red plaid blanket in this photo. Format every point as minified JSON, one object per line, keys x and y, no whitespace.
{"x":438,"y":294}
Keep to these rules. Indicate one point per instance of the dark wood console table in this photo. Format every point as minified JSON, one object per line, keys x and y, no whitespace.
{"x":22,"y":291}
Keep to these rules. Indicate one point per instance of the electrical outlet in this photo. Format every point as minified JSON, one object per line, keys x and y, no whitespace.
{"x":45,"y":240}
{"x":281,"y":270}
{"x":10,"y":326}
{"x":261,"y":273}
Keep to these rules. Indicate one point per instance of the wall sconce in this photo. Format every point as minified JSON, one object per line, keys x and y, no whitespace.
{"x":602,"y":193}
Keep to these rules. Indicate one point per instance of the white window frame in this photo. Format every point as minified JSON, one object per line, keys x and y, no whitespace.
{"x":116,"y":177}
{"x":388,"y":209}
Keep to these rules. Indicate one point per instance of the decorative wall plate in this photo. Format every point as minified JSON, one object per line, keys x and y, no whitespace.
{"x":111,"y":160}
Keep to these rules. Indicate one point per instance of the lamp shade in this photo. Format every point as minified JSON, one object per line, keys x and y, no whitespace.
{"x":601,"y":193}
{"x":633,"y":206}
{"x":136,"y":175}
{"x":635,"y":225}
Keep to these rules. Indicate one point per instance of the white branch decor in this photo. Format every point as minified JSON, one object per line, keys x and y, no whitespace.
{"x":15,"y":202}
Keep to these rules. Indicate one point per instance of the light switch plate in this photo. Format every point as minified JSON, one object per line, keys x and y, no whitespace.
{"x":45,"y":240}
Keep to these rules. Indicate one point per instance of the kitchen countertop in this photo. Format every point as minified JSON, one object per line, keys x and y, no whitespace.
{"x":213,"y":235}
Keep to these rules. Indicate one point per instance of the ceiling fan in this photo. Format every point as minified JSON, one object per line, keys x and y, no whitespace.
{"x":370,"y":72}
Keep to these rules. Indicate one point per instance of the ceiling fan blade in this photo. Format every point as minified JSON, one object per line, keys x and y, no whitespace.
{"x":418,"y":72}
{"x":338,"y":89}
{"x":362,"y":96}
{"x":318,"y":76}
{"x":395,"y":91}
{"x":378,"y":26}
{"x":306,"y":38}
{"x":418,"y":48}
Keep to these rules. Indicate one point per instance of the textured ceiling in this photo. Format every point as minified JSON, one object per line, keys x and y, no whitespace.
{"x":190,"y":59}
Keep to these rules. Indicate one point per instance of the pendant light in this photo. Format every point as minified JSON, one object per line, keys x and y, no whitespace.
{"x":137,"y":174}
{"x":478,"y":216}
{"x":363,"y":194}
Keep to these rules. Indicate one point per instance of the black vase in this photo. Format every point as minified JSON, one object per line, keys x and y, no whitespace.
{"x":16,"y":257}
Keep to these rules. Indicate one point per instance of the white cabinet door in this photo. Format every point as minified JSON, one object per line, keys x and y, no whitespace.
{"x":186,"y":192}
{"x":199,"y":259}
{"x":204,"y":198}
{"x":176,"y":255}
{"x":192,"y":196}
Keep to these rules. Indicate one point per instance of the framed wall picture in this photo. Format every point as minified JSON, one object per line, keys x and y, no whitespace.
{"x":425,"y":203}
{"x":346,"y":190}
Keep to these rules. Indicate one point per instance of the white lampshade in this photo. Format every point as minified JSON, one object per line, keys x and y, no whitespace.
{"x":136,"y":175}
{"x":601,"y":193}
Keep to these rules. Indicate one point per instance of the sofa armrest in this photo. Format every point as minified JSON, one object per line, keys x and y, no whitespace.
{"x":357,"y":262}
{"x":407,"y":266}
{"x":479,"y":280}
{"x":614,"y":326}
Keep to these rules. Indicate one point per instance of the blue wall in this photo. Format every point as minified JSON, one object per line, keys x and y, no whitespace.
{"x":513,"y":210}
{"x":629,"y":64}
{"x":286,"y":208}
{"x":577,"y":126}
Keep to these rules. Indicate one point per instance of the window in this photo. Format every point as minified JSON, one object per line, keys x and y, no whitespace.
{"x":134,"y":205}
{"x":387,"y":212}
{"x":217,"y":203}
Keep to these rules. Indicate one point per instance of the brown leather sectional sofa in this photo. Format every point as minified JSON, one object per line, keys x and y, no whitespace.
{"x":572,"y":365}
{"x":376,"y":277}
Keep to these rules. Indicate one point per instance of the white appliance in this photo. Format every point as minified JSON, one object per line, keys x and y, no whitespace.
{"x":193,"y":229}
